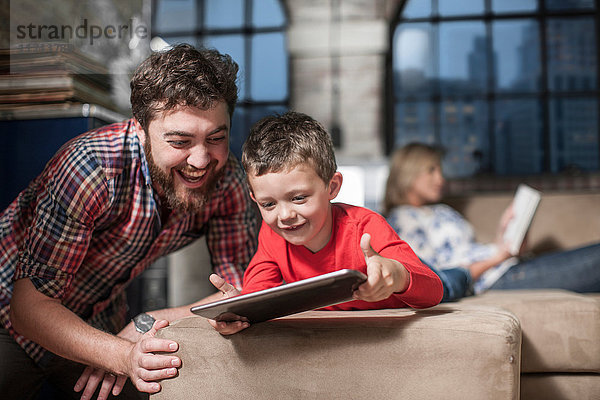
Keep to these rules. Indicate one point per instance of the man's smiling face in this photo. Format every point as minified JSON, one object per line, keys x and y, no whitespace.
{"x":186,"y":150}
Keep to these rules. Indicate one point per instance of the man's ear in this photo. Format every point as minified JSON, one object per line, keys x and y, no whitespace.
{"x":141,"y":134}
{"x":335,"y":184}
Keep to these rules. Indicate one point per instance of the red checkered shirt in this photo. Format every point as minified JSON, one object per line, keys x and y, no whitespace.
{"x":90,"y":223}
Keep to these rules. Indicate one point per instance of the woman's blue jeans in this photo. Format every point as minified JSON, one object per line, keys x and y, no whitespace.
{"x":457,"y":283}
{"x":577,"y":270}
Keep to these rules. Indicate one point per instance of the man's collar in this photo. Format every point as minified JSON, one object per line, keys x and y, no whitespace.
{"x":138,"y":131}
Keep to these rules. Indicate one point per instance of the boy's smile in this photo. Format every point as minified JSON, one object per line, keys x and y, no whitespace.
{"x":295,"y":204}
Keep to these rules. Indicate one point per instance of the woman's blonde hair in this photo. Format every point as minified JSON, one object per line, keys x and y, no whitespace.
{"x":406,"y":164}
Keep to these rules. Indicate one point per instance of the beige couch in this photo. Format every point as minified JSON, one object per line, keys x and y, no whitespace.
{"x":498,"y":345}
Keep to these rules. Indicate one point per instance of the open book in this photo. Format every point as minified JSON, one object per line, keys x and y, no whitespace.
{"x":524,"y":206}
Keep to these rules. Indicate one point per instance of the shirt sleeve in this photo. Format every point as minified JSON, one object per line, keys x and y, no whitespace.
{"x":263,"y":271}
{"x":71,"y":192}
{"x":233,"y":230}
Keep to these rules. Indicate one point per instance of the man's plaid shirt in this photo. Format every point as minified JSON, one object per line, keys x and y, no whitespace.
{"x":90,"y":223}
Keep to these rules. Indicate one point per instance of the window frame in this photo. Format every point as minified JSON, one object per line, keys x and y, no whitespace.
{"x":244,"y":106}
{"x":591,"y":179}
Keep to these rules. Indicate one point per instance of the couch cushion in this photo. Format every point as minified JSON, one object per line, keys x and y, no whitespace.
{"x":561,"y":329}
{"x":354,"y":354}
{"x":560,"y":386}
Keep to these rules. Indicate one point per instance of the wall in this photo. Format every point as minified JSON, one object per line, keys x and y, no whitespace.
{"x":351,"y":37}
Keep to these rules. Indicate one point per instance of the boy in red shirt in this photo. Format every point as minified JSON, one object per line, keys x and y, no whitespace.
{"x":292,"y":174}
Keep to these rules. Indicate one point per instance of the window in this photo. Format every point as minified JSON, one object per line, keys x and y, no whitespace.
{"x":252,"y":32}
{"x":507,"y":87}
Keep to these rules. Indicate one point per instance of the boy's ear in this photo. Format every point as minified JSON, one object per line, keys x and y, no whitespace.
{"x":335,"y":184}
{"x":252,"y":195}
{"x":249,"y":187}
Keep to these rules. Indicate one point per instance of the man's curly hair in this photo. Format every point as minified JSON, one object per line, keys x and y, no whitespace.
{"x":182,"y":76}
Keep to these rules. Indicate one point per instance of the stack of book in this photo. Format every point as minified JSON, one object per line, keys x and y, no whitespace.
{"x":45,"y":80}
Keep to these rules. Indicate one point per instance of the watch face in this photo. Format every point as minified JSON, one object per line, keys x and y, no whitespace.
{"x":143,"y":322}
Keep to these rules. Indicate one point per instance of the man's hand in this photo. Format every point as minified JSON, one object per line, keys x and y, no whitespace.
{"x":228,"y":290}
{"x":145,"y":367}
{"x":130,"y":333}
{"x":384,"y":275}
{"x":47,"y":322}
{"x":91,"y":377}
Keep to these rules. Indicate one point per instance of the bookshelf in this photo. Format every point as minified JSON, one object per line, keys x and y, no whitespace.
{"x":47,"y":96}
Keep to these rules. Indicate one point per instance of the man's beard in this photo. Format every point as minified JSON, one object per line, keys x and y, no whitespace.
{"x":193,"y":200}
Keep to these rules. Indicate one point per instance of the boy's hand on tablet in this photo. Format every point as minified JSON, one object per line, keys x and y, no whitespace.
{"x":384,"y":275}
{"x":228,"y":290}
{"x":223,"y":286}
{"x":228,"y":327}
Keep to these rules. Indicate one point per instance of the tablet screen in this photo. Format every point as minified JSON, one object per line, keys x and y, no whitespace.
{"x":308,"y":294}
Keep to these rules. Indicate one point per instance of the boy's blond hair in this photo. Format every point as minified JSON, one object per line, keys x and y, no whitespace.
{"x":281,"y":142}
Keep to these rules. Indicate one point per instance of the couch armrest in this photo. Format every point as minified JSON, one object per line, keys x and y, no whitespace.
{"x":353,"y":354}
{"x":561,"y":329}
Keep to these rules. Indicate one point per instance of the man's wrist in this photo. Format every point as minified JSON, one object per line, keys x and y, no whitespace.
{"x":143,"y":322}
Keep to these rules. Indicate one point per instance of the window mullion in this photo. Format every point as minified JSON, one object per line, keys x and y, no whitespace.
{"x":545,"y":94}
{"x":490,"y":97}
{"x":437,"y":92}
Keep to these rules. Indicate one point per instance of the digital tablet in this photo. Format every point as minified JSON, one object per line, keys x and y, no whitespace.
{"x":307,"y":294}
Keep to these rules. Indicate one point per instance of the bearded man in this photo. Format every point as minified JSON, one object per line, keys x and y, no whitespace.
{"x":107,"y":205}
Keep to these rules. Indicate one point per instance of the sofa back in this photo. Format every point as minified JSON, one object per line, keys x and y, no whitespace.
{"x":563,"y":220}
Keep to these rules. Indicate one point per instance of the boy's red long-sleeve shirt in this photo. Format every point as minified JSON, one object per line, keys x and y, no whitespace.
{"x":277,"y":261}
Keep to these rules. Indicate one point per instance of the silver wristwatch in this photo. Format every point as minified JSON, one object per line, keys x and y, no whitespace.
{"x":143,"y":322}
